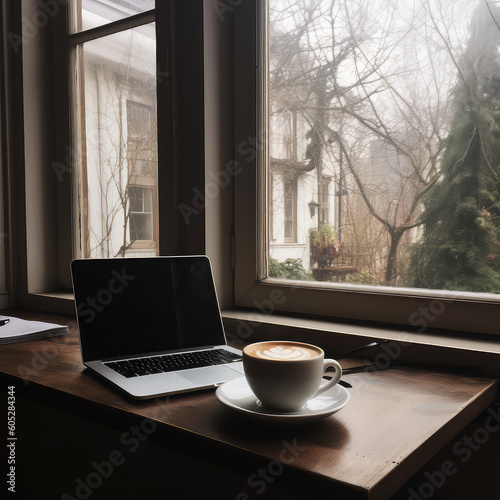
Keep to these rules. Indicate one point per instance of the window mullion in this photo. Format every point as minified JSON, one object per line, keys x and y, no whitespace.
{"x":113,"y":27}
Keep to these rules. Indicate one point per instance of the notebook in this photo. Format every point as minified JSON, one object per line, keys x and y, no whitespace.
{"x":19,"y":330}
{"x":152,"y":326}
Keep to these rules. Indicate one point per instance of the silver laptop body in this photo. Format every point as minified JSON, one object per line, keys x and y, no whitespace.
{"x":139,"y":316}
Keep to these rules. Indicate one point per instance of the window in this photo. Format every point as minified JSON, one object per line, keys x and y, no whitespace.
{"x":290,"y":212}
{"x":142,"y":164}
{"x":115,"y":102}
{"x":142,"y":175}
{"x":389,"y":106}
{"x":324,"y":200}
{"x":177,"y":97}
{"x":84,"y":154}
{"x":141,"y":213}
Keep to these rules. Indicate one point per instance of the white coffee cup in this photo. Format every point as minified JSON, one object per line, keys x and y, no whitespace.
{"x":285,"y":375}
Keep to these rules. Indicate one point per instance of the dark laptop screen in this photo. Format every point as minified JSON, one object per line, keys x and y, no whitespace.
{"x":127,"y":307}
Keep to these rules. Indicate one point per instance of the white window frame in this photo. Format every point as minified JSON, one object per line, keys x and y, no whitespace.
{"x":415,"y":309}
{"x":145,"y":210}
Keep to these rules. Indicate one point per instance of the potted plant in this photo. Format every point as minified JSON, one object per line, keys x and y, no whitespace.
{"x":324,"y":244}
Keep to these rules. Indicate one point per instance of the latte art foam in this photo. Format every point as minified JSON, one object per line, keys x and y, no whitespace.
{"x":283,"y":352}
{"x":279,"y":352}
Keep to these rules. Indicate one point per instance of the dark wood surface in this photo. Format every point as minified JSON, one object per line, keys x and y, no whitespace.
{"x":396,"y":420}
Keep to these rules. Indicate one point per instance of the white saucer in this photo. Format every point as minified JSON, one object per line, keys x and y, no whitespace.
{"x":237,"y":395}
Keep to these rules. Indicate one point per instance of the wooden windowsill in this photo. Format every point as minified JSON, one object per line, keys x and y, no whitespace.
{"x":480,"y":353}
{"x":431,"y":347}
{"x":396,"y":420}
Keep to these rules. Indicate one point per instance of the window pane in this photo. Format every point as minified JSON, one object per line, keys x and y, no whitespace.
{"x":140,"y":227}
{"x":148,"y":200}
{"x":136,"y":199}
{"x":93,"y":13}
{"x":386,"y":113}
{"x":118,"y":160}
{"x":290,"y":210}
{"x":141,"y":216}
{"x":138,"y":120}
{"x":141,"y":140}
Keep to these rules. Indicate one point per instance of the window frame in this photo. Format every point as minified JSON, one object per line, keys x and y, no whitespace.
{"x":7,"y":259}
{"x":43,"y":245}
{"x":76,"y":42}
{"x":411,"y":308}
{"x":237,"y":244}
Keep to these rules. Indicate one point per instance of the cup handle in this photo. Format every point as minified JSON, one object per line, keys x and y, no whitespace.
{"x":327,"y":384}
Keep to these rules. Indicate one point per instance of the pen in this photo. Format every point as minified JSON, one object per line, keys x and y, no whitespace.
{"x":4,"y":322}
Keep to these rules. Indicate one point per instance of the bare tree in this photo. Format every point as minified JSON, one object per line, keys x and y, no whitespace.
{"x":372,"y":83}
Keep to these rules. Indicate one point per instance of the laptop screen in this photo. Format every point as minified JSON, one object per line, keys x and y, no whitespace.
{"x":133,"y":306}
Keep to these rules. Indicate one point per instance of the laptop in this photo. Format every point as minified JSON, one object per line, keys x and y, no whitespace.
{"x":152,"y":326}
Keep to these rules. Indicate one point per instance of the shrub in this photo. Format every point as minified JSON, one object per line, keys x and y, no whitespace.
{"x":290,"y":269}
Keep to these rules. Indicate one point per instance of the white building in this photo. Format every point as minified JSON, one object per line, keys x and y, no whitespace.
{"x":299,"y":200}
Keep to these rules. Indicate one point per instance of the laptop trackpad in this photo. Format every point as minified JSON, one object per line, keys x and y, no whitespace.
{"x":212,"y":375}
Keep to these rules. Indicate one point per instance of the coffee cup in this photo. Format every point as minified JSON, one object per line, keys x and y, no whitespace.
{"x":285,"y":375}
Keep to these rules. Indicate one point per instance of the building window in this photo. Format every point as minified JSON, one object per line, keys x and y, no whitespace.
{"x":141,"y":213}
{"x":290,"y":210}
{"x":141,"y":143}
{"x":324,"y":199}
{"x":142,"y":175}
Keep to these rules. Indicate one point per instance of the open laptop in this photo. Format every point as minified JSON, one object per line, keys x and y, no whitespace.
{"x":152,"y":326}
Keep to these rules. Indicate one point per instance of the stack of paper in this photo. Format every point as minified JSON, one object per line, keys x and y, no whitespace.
{"x":19,"y":330}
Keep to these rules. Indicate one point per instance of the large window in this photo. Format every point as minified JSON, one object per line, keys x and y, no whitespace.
{"x":364,"y":150}
{"x":386,"y":115}
{"x":91,"y":86}
{"x":397,"y":103}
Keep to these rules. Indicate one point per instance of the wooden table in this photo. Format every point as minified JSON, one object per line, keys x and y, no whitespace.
{"x":395,"y":422}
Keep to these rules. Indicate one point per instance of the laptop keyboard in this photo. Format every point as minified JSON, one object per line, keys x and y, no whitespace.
{"x":172,"y":362}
